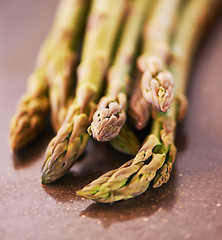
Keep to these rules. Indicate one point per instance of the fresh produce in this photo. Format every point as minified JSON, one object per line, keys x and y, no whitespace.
{"x":144,"y":49}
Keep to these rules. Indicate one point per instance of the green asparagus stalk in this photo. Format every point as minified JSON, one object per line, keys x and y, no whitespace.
{"x":157,"y":33}
{"x":193,"y":25}
{"x":62,"y":64}
{"x":32,"y":111}
{"x":68,"y":12}
{"x":156,"y":82}
{"x":154,"y":160}
{"x":71,"y":139}
{"x":134,"y":177}
{"x":60,"y":74}
{"x":111,"y":111}
{"x":33,"y":108}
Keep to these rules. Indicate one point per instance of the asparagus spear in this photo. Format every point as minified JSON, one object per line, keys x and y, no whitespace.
{"x":157,"y":33}
{"x":60,"y":73}
{"x":132,"y":178}
{"x":193,"y":25}
{"x":65,"y":41}
{"x":71,"y":139}
{"x":33,"y":108}
{"x":32,"y":111}
{"x":111,"y":111}
{"x":156,"y":82}
{"x":154,"y":160}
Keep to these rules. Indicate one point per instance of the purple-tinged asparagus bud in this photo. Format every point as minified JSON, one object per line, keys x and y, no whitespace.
{"x":159,"y":90}
{"x":109,"y":118}
{"x":156,"y":83}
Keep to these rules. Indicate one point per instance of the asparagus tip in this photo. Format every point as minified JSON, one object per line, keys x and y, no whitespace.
{"x":156,"y":83}
{"x":109,"y":118}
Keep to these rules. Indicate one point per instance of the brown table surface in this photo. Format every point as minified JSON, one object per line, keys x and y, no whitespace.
{"x":189,"y":206}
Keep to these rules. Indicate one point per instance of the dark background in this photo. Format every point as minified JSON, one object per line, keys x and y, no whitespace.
{"x":189,"y":206}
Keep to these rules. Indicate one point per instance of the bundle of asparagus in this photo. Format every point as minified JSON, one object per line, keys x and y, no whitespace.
{"x":161,"y":81}
{"x":154,"y":160}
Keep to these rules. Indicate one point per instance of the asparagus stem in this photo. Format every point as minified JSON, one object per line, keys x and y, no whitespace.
{"x":154,"y":160}
{"x":129,"y":180}
{"x":111,"y":112}
{"x":102,"y":27}
{"x":193,"y":24}
{"x":65,"y":35}
{"x":156,"y":82}
{"x":52,"y":66}
{"x":32,"y":111}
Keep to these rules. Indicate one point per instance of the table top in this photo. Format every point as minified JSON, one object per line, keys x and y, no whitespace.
{"x":189,"y":206}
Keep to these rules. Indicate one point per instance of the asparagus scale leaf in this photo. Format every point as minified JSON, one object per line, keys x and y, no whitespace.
{"x":32,"y":111}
